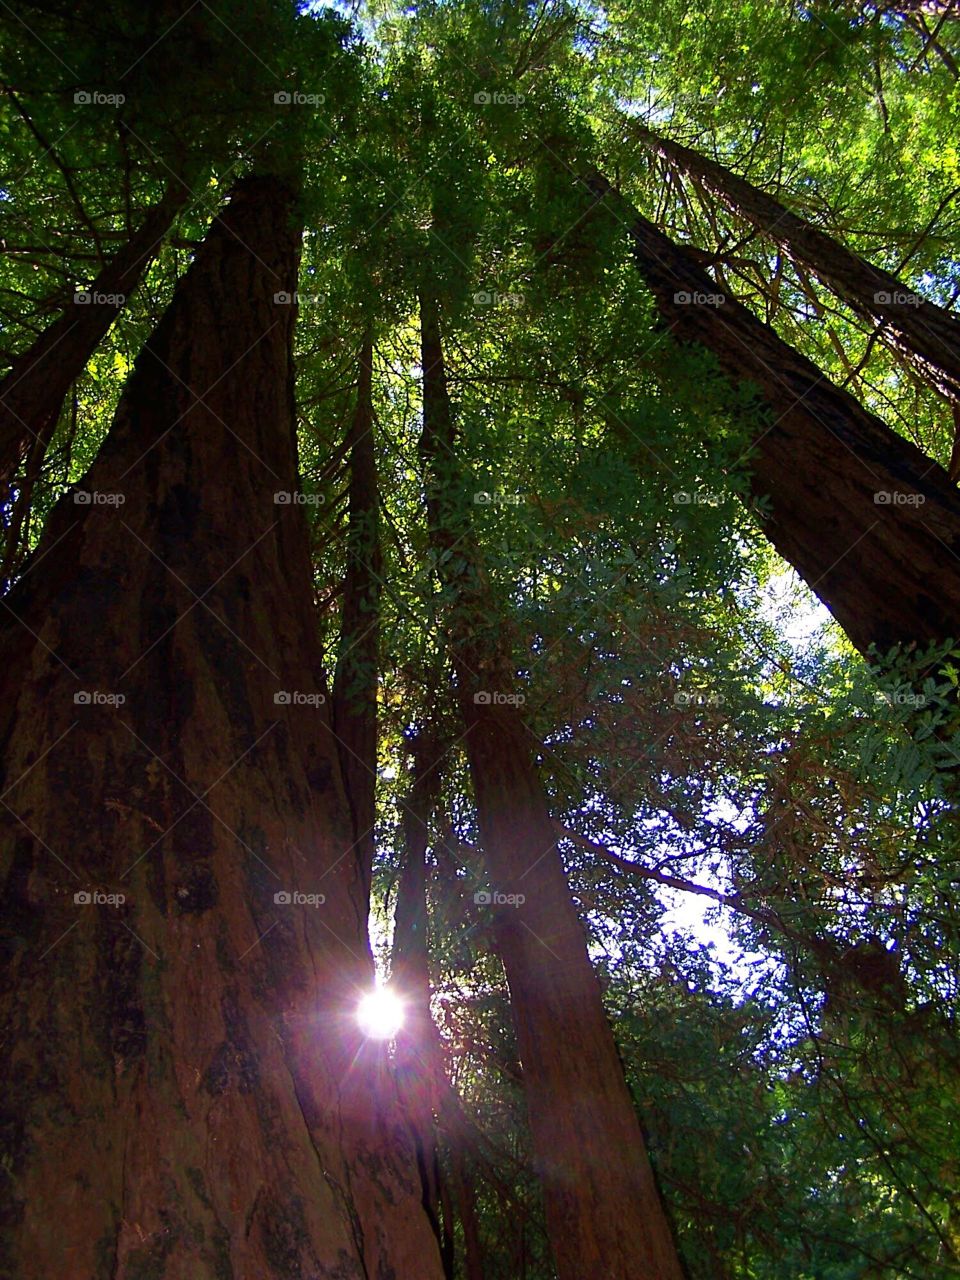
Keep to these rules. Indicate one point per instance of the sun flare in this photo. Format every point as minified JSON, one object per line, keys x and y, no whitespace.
{"x":380,"y":1014}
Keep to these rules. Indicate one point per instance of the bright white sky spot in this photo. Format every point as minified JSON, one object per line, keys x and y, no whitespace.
{"x":801,"y":620}
{"x":380,"y":1014}
{"x":793,"y":609}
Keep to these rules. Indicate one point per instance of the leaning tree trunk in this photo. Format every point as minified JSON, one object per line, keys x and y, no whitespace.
{"x":869,"y":522}
{"x":603,"y":1210}
{"x":922,"y":329}
{"x":34,"y":388}
{"x":186,"y":1092}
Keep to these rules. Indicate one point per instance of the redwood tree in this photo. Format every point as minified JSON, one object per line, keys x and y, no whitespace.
{"x":927,"y":332}
{"x":355,"y":684}
{"x":868,"y":521}
{"x":33,"y":391}
{"x":188,"y":818}
{"x":603,"y":1209}
{"x":187,"y":1090}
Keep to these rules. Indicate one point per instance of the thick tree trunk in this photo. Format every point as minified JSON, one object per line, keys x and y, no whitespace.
{"x":356,"y":681}
{"x":604,"y":1215}
{"x":869,"y":522}
{"x":922,"y":329}
{"x":34,"y":388}
{"x":186,"y":1091}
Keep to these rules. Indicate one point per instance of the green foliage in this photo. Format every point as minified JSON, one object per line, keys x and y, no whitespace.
{"x":793,"y":1051}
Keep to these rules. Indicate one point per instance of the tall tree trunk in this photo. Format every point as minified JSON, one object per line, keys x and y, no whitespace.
{"x":417,"y":1058}
{"x":430,"y":1101}
{"x":921,"y":328}
{"x":869,"y":522}
{"x":34,"y":388}
{"x":186,"y":1090}
{"x":356,"y":681}
{"x":604,"y":1215}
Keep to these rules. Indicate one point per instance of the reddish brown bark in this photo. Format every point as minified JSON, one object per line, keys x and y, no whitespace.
{"x":887,"y":568}
{"x":34,"y":388}
{"x":187,"y":1093}
{"x":357,"y":675}
{"x":603,"y":1210}
{"x":921,"y":328}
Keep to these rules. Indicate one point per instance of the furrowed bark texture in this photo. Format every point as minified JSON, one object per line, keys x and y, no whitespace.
{"x":869,"y":522}
{"x":356,"y":681}
{"x":186,"y":1093}
{"x":604,"y":1215}
{"x":33,"y":391}
{"x":920,"y":328}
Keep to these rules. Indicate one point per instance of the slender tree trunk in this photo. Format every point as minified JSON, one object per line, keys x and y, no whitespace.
{"x":473,"y":1266}
{"x":603,"y":1210}
{"x":869,"y":522}
{"x":356,"y":681}
{"x":186,"y":1090}
{"x":430,"y":1101}
{"x":33,"y":390}
{"x":924,"y":330}
{"x":417,"y":1058}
